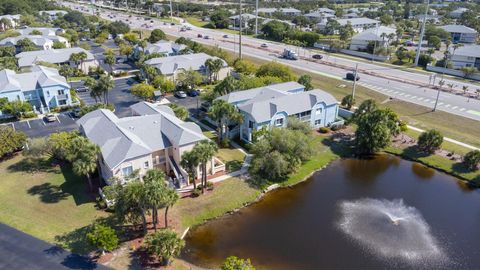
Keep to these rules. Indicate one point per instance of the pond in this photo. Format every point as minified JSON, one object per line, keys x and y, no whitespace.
{"x":380,"y":213}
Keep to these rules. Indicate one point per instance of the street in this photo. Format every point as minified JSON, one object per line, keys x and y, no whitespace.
{"x":22,"y":251}
{"x":394,"y":82}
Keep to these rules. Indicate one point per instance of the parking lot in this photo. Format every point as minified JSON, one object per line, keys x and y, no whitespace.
{"x":40,"y":127}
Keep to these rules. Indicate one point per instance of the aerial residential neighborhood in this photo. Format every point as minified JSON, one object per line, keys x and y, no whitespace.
{"x":239,"y":135}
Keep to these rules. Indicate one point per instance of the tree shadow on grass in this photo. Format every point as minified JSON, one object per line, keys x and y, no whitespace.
{"x":48,"y":193}
{"x":76,"y":186}
{"x":33,"y":165}
{"x":340,"y":144}
{"x":234,"y":165}
{"x":412,"y":152}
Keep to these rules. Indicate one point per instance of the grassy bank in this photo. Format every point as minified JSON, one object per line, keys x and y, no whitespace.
{"x":230,"y":194}
{"x":45,"y":201}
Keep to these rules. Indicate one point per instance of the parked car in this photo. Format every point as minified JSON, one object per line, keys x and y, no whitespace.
{"x":50,"y":117}
{"x":180,"y":94}
{"x":264,"y":45}
{"x":189,"y":28}
{"x":225,"y":36}
{"x":317,"y":56}
{"x":351,"y":76}
{"x":193,"y":93}
{"x":206,"y":37}
{"x":81,"y":89}
{"x":409,"y":43}
{"x":76,"y":112}
{"x":199,"y":35}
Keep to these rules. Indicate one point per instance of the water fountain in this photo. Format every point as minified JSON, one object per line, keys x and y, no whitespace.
{"x":391,"y":230}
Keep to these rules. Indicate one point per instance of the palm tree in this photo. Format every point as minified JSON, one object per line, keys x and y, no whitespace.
{"x":190,"y":163}
{"x":5,"y":24}
{"x":83,"y":155}
{"x":223,"y":112}
{"x":154,"y":192}
{"x":104,"y":85}
{"x":205,"y":150}
{"x":169,"y":198}
{"x":110,"y":60}
{"x":81,"y":57}
{"x":465,"y":89}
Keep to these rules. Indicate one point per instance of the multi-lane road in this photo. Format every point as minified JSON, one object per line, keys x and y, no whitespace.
{"x":393,"y":82}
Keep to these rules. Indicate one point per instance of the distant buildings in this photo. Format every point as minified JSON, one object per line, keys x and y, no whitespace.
{"x":465,"y":56}
{"x":41,"y":42}
{"x":271,"y":106}
{"x":284,"y":11}
{"x":53,"y":14}
{"x":43,"y":87}
{"x":42,"y":31}
{"x":382,"y":35}
{"x":56,"y":56}
{"x":12,"y":19}
{"x":164,"y":47}
{"x":359,"y":24}
{"x":460,"y":33}
{"x":172,"y":65}
{"x":457,"y":13}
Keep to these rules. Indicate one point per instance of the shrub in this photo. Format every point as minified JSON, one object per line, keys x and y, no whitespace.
{"x":471,"y":160}
{"x":323,"y":130}
{"x":29,"y":115}
{"x":196,"y":192}
{"x":429,"y":141}
{"x":103,"y":237}
{"x":209,"y":185}
{"x":336,"y":127}
{"x":225,"y":143}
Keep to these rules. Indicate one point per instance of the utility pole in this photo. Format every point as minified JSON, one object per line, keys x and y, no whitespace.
{"x":422,"y":32}
{"x":240,"y":35}
{"x":354,"y":81}
{"x":375,"y":44}
{"x":256,"y":18}
{"x":441,"y":80}
{"x":171,"y":11}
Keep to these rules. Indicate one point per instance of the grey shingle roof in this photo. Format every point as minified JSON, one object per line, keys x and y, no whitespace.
{"x":37,"y":40}
{"x":164,"y":46}
{"x":270,"y":91}
{"x":455,"y":28}
{"x":127,"y":138}
{"x":355,"y":21}
{"x":264,"y":110}
{"x":468,"y":50}
{"x":46,"y":31}
{"x":374,"y":33}
{"x":26,"y":59}
{"x":168,"y":65}
{"x":39,"y":77}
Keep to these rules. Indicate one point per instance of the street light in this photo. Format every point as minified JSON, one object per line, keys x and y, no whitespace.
{"x":417,"y":57}
{"x":256,"y":18}
{"x":441,"y":80}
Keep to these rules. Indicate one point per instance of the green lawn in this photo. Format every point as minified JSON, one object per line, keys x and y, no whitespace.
{"x":233,"y":158}
{"x":46,"y":201}
{"x":228,"y":195}
{"x":195,"y":21}
{"x":452,"y":147}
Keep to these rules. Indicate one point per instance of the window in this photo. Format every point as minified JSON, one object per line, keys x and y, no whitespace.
{"x":279,"y":122}
{"x":318,"y":122}
{"x":145,"y":165}
{"x":127,"y":171}
{"x":318,"y":111}
{"x":250,"y":124}
{"x":62,"y":102}
{"x":61,"y":92}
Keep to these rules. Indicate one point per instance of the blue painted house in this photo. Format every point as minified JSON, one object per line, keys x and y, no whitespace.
{"x":43,"y":87}
{"x":271,"y":106}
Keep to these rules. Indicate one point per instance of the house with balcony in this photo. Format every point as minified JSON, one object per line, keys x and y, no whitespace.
{"x":26,"y":60}
{"x":171,"y":66}
{"x":43,"y":87}
{"x":271,"y":106}
{"x":461,"y":33}
{"x":153,"y":137}
{"x":13,"y":19}
{"x":465,"y":56}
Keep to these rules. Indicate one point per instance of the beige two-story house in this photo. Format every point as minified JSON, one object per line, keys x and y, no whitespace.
{"x":153,"y":137}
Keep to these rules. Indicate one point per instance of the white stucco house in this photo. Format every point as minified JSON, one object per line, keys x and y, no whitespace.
{"x":164,"y":47}
{"x":41,"y":42}
{"x":466,"y":56}
{"x":153,"y":137}
{"x":379,"y":34}
{"x":360,"y":24}
{"x":13,"y":19}
{"x":43,"y":87}
{"x":284,"y":11}
{"x":171,"y":66}
{"x":461,"y":33}
{"x":271,"y":106}
{"x":56,"y":56}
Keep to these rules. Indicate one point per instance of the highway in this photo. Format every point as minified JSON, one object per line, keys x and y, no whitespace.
{"x":395,"y":83}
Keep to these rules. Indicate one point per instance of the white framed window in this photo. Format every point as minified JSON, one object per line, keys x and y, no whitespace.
{"x":127,"y":170}
{"x":279,"y":122}
{"x":146,"y":165}
{"x":318,"y":122}
{"x":318,"y":111}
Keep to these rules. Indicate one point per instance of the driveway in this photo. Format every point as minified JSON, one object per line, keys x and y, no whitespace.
{"x":22,"y":251}
{"x":189,"y":102}
{"x":40,"y":128}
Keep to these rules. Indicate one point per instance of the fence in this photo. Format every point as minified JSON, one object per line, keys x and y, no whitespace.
{"x":453,"y":72}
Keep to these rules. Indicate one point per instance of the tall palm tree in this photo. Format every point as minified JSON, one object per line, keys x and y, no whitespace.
{"x":170,"y":197}
{"x":190,"y":163}
{"x":154,"y":192}
{"x":104,"y":85}
{"x":224,"y":112}
{"x":81,"y":57}
{"x":205,"y":150}
{"x":83,"y":155}
{"x":110,"y":60}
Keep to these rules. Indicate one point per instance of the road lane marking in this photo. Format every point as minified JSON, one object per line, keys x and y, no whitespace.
{"x":462,"y":109}
{"x":407,"y":95}
{"x":413,"y":97}
{"x":448,"y":105}
{"x":43,"y":121}
{"x":28,"y":123}
{"x":420,"y":98}
{"x":427,"y":100}
{"x":401,"y":94}
{"x":441,"y":103}
{"x":453,"y":108}
{"x":56,"y":116}
{"x":396,"y":92}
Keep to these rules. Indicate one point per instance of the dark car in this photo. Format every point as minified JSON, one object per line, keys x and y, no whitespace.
{"x":199,"y":35}
{"x":193,"y":93}
{"x":351,"y":76}
{"x":317,"y":56}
